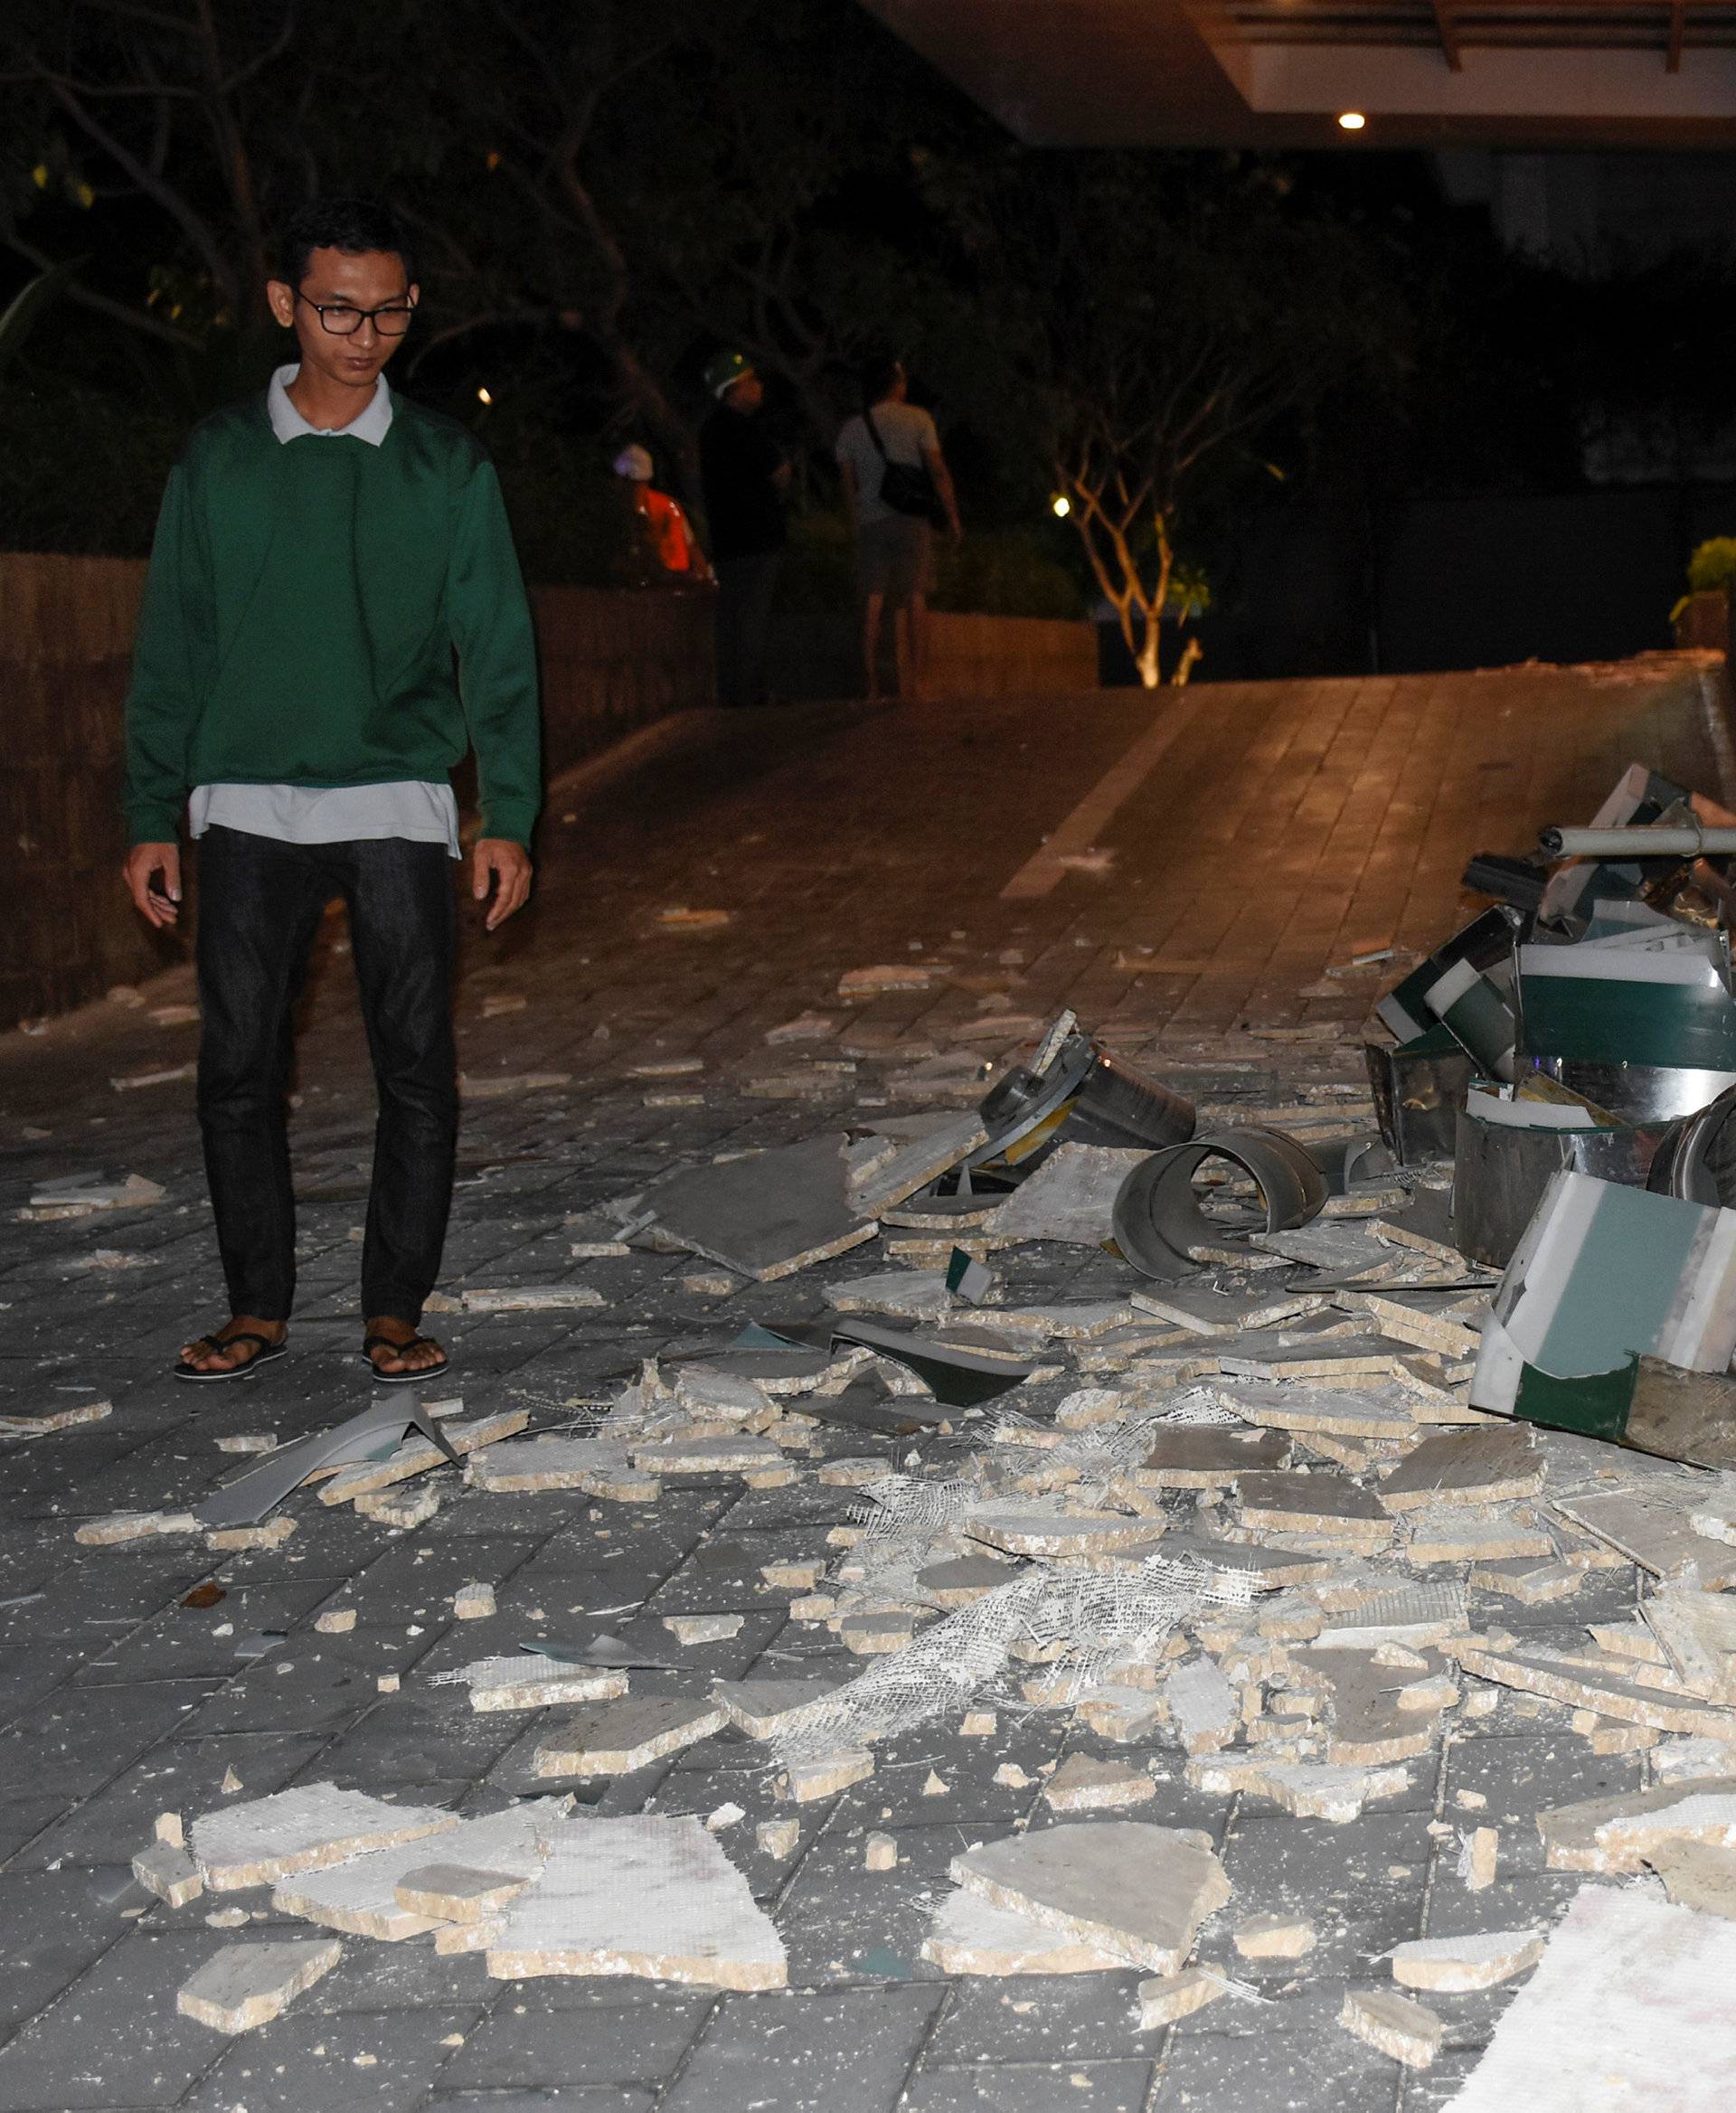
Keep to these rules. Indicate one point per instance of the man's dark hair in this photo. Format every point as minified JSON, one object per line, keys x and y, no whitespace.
{"x":355,"y":226}
{"x":880,"y":378}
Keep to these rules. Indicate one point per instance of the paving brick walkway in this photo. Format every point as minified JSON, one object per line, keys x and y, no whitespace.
{"x":1283,"y":829}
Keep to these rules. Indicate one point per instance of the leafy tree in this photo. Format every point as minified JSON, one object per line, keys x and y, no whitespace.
{"x":1171,"y":320}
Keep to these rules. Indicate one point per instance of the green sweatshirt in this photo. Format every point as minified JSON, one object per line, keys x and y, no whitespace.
{"x":305,"y":603}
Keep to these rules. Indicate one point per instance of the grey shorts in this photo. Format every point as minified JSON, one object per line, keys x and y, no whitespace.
{"x":895,"y":558}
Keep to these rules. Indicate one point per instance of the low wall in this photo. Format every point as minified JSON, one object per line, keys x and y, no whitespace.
{"x":611,"y":662}
{"x":819,"y":656}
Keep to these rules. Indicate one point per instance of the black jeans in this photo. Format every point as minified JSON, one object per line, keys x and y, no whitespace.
{"x":747,"y":588}
{"x":260,"y":903}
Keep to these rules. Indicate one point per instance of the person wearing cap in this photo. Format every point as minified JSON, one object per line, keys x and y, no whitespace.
{"x":745,"y":476}
{"x":666,"y":526}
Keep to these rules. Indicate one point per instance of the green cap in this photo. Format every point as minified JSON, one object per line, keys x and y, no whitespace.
{"x":726,"y":369}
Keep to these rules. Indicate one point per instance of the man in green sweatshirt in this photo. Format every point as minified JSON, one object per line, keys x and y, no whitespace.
{"x":334,"y":615}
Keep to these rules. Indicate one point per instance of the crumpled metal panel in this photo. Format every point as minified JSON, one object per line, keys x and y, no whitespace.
{"x":1157,"y":1216}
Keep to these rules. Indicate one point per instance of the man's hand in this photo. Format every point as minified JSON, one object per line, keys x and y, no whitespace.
{"x":500,"y":865}
{"x":153,"y":876}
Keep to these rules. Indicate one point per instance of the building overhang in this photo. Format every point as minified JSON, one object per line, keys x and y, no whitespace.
{"x":1523,"y":74}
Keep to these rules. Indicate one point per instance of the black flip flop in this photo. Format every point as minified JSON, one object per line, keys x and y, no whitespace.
{"x":401,"y":1379}
{"x":267,"y":1351}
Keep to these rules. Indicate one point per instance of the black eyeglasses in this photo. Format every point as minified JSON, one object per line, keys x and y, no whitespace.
{"x":343,"y":321}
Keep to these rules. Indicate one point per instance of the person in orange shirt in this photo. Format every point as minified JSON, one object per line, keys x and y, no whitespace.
{"x":670,"y":534}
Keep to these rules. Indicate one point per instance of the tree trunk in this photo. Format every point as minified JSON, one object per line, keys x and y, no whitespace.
{"x":1149,"y":658}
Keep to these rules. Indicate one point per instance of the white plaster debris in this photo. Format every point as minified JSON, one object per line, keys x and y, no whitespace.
{"x":879,"y":1852}
{"x":473,"y":1602}
{"x":53,"y":1420}
{"x":1083,"y":1785}
{"x":622,"y":1736}
{"x":703,"y":1628}
{"x":1407,"y":2031}
{"x":1629,"y":2008}
{"x":121,"y":1527}
{"x":1168,"y":1998}
{"x":1275,"y":1935}
{"x":530,"y":1680}
{"x":270,"y":1533}
{"x":973,"y":1936}
{"x":360,"y":1897}
{"x":532,"y":1298}
{"x":779,"y":1838}
{"x":639,"y":1895}
{"x":1137,"y":1891}
{"x":165,"y":1869}
{"x":303,"y":1829}
{"x":1454,"y":1965}
{"x":246,"y":1986}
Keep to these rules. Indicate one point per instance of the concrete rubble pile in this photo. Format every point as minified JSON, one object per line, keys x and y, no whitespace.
{"x":1333,"y":1383}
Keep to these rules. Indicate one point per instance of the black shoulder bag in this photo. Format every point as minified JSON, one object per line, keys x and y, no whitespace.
{"x":906,"y":490}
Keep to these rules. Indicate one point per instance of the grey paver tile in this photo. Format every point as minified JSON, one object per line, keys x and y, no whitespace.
{"x":380,"y":2062}
{"x":1082,"y":2087}
{"x":113,"y":2038}
{"x":805,"y":2052}
{"x":530,"y":2040}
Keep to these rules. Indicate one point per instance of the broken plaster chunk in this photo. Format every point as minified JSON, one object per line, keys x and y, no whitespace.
{"x":122,"y":1526}
{"x":303,"y":1829}
{"x":53,"y":1419}
{"x":530,"y":1680}
{"x":418,"y":1454}
{"x":710,"y":1455}
{"x":623,"y":1736}
{"x":360,"y":1898}
{"x":336,"y":1621}
{"x":879,"y":1852}
{"x":779,"y":1838}
{"x":1275,"y":1937}
{"x":795,"y":1577}
{"x":272,"y":1533}
{"x":648,"y":1896}
{"x":1477,"y":1857}
{"x":1083,"y":1785}
{"x":457,"y":1892}
{"x":916,"y":1294}
{"x":169,"y":1828}
{"x":402,"y":1509}
{"x":1169,"y":1997}
{"x":1500,"y":1465}
{"x":1032,"y":1530}
{"x":1562,"y":1678}
{"x":979,"y":1724}
{"x":804,"y":1782}
{"x":1327,"y":1504}
{"x":165,"y":1869}
{"x":1406,"y":2031}
{"x":764,"y":1709}
{"x":473,"y":1602}
{"x":248,"y":1984}
{"x":1452,"y":1966}
{"x":1138,"y":1892}
{"x":703,"y":1628}
{"x":1695,"y":1874}
{"x":1694,"y":1813}
{"x":1204,"y":1708}
{"x":972,"y":1935}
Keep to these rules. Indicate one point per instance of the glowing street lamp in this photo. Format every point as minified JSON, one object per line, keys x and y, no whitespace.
{"x":1061,"y":505}
{"x":1351,"y":120}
